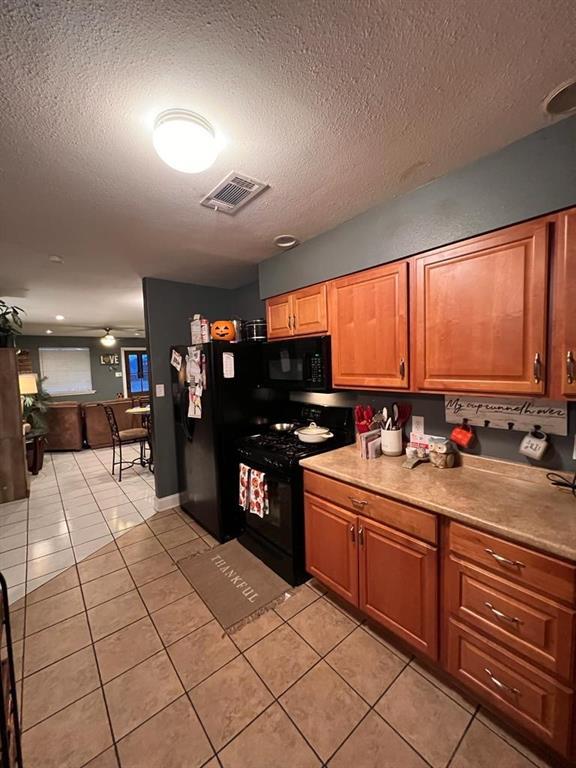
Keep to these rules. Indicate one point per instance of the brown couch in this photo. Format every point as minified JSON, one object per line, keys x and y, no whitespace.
{"x":97,"y":430}
{"x":73,"y":425}
{"x":65,"y":428}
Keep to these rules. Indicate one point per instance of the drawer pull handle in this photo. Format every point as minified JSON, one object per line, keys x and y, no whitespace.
{"x":353,"y":533}
{"x":502,"y":616}
{"x":504,"y":560}
{"x":358,"y":502}
{"x":500,"y":685}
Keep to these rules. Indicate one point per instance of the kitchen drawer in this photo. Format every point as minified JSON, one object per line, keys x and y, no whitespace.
{"x":513,"y":561}
{"x":403,"y":517}
{"x":536,"y":627}
{"x":517,"y":689}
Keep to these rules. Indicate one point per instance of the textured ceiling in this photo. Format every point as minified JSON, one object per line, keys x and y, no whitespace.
{"x":336,"y":104}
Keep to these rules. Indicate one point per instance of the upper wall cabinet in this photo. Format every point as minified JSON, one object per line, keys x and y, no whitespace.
{"x":369,"y":328}
{"x":480,"y":313}
{"x":563,"y":363}
{"x":301,"y":313}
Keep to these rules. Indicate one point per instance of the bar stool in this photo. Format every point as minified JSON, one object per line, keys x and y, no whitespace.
{"x":122,"y":437}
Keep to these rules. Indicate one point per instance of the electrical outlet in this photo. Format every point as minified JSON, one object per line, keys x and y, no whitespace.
{"x":118,"y":374}
{"x":418,"y":425}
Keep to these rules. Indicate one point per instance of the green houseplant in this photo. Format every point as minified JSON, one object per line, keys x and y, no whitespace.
{"x":34,"y":407}
{"x":10,"y":324}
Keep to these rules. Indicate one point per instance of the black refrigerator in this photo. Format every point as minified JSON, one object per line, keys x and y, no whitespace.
{"x":207,"y":463}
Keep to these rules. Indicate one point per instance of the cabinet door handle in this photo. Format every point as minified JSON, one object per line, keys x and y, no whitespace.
{"x":358,"y":502}
{"x":402,"y":368}
{"x":500,"y":685}
{"x":293,"y":321}
{"x":353,"y":533}
{"x":504,"y":560}
{"x":570,"y":365}
{"x":290,"y":322}
{"x":537,"y":368}
{"x":361,"y":536}
{"x":502,"y":616}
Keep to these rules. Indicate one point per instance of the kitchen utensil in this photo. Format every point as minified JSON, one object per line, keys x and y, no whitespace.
{"x":534,"y":444}
{"x":283,"y":426}
{"x":395,"y":415}
{"x":391,"y":441}
{"x":313,"y":434}
{"x":404,"y":413}
{"x":239,"y":329}
{"x":255,"y":330}
{"x":388,"y":424}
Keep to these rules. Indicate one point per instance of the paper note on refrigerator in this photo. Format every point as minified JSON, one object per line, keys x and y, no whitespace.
{"x":228,"y":364}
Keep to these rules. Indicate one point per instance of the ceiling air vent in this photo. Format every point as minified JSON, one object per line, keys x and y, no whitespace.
{"x":233,"y":192}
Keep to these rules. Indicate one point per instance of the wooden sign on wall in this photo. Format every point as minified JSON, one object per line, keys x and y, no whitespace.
{"x":517,"y":413}
{"x":109,"y":360}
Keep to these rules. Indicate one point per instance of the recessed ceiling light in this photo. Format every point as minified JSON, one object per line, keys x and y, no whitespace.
{"x":49,"y":331}
{"x":185,"y":141}
{"x":56,"y":259}
{"x":286,"y":241}
{"x":60,"y":317}
{"x":562,"y":100}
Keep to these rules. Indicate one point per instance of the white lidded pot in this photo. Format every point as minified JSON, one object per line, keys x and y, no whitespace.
{"x":314,"y":434}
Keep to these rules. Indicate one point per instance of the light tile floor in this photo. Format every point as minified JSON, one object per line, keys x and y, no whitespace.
{"x":120,"y":663}
{"x":75,"y":508}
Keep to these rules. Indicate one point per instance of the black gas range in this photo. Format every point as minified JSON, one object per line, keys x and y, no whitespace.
{"x":278,"y":537}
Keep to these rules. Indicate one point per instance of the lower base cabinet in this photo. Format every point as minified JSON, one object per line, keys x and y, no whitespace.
{"x":399,"y":584}
{"x":391,"y":576}
{"x":508,"y":616}
{"x":537,"y":702}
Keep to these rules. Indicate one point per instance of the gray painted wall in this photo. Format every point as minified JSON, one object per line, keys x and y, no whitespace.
{"x":168,"y":307}
{"x":104,"y":380}
{"x":495,"y":443}
{"x":531,"y":177}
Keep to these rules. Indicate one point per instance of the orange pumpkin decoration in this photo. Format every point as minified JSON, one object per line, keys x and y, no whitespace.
{"x":223,"y":330}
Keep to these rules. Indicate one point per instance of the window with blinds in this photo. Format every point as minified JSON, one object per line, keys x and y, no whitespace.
{"x":67,"y":370}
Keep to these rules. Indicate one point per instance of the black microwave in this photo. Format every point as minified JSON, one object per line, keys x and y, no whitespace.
{"x":300,"y":365}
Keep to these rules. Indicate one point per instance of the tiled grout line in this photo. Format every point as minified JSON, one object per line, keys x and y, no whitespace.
{"x":461,"y":739}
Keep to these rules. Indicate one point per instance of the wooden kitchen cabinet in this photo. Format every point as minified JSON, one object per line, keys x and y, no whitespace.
{"x":300,"y":313}
{"x":331,"y":546}
{"x":480,"y":313}
{"x":563,"y":365}
{"x":399,"y":584}
{"x":369,"y":328}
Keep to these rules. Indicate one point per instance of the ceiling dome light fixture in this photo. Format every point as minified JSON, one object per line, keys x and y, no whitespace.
{"x":108,"y":340}
{"x":49,"y":331}
{"x":185,"y":141}
{"x":562,"y":100}
{"x":60,"y":317}
{"x":286,"y":241}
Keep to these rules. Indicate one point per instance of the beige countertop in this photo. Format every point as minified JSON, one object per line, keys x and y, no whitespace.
{"x":511,"y":500}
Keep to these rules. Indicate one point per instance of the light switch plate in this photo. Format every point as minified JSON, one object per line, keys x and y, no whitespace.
{"x":118,"y":374}
{"x":159,"y":390}
{"x":418,"y":425}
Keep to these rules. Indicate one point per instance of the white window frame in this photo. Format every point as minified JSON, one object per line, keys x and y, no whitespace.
{"x":71,"y":393}
{"x":123,"y":361}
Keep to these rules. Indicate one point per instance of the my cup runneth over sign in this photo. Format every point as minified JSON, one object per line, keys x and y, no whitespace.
{"x":517,"y":413}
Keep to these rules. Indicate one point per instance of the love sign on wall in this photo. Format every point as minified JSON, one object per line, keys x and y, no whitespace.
{"x":517,"y":413}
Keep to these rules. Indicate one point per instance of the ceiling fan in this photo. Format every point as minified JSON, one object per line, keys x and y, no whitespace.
{"x":108,"y":339}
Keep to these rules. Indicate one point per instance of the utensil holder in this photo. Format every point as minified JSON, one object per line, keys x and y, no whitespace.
{"x":391,"y":442}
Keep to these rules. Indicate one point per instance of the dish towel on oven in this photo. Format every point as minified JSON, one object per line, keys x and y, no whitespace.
{"x":244,"y":489}
{"x":258,"y":493}
{"x":253,"y":491}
